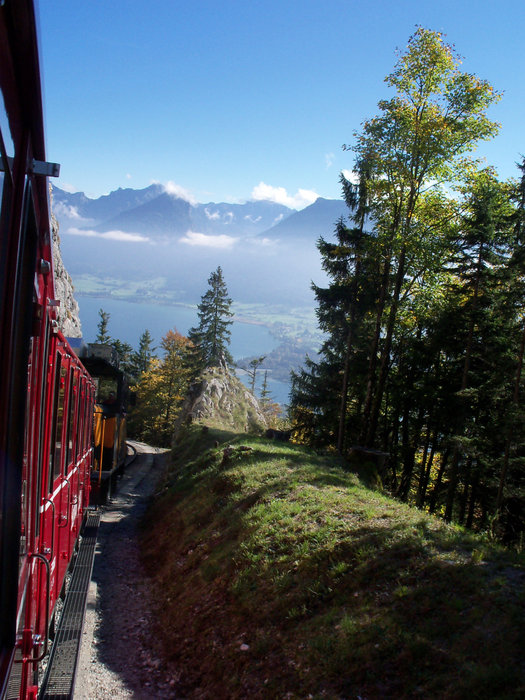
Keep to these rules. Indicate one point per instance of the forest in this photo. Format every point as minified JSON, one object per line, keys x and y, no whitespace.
{"x":423,"y":313}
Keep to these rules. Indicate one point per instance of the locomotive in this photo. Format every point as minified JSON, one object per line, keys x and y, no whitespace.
{"x":46,"y":394}
{"x":109,"y":421}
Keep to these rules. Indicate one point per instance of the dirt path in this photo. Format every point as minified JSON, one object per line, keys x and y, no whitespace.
{"x":119,"y":657}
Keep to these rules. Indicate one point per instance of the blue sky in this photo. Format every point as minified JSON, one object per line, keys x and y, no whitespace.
{"x":233,"y":99}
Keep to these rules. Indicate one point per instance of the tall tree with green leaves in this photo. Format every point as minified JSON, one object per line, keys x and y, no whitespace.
{"x":211,"y":338}
{"x":418,"y":141}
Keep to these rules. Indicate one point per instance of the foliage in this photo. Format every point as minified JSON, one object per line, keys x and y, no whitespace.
{"x":125,"y":357}
{"x":160,"y":391}
{"x":211,"y":338}
{"x":102,"y":326}
{"x":423,"y":313}
{"x":130,"y":362}
{"x":252,"y":372}
{"x":144,"y":355}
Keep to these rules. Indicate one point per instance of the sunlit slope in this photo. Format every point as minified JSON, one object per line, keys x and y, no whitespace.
{"x":280,"y":575}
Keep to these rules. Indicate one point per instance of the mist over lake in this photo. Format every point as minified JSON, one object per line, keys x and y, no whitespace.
{"x":128,"y":320}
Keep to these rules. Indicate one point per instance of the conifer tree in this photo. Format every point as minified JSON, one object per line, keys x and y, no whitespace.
{"x":266,"y":396}
{"x":211,"y":338}
{"x":102,"y":326}
{"x":252,"y":372}
{"x":323,"y":388}
{"x":125,"y":356}
{"x":143,"y":356}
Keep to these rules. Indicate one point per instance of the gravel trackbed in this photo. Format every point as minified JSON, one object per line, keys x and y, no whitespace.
{"x":118,"y":656}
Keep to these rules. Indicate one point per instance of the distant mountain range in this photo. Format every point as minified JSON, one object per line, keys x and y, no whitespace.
{"x":150,"y":247}
{"x":155,"y":213}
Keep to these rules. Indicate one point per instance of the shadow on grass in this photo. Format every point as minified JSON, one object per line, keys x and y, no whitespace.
{"x":382,"y":602}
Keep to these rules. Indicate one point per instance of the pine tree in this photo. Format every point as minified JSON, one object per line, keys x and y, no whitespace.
{"x":322,"y":389}
{"x":103,"y":335}
{"x":144,"y":355}
{"x":265,"y":396}
{"x":252,"y":372}
{"x":125,"y":356}
{"x":211,"y":338}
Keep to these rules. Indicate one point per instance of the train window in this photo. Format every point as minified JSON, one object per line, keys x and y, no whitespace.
{"x":43,"y":398}
{"x":56,"y":447}
{"x":8,"y":146}
{"x":7,"y":151}
{"x":24,"y":496}
{"x":80,"y":423}
{"x":89,"y":418}
{"x":72,"y":399}
{"x":6,"y":187}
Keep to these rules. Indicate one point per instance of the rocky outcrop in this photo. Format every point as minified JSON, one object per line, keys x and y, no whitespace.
{"x":67,"y":313}
{"x":219,"y":399}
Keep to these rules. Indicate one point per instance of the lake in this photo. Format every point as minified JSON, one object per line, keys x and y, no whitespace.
{"x":128,"y":320}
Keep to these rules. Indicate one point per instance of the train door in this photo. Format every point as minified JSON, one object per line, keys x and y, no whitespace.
{"x":58,"y":488}
{"x":84,"y":444}
{"x":71,"y":464}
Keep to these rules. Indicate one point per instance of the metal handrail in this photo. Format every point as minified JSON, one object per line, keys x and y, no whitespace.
{"x":48,"y":604}
{"x":52,"y":553}
{"x":68,"y":502}
{"x":36,"y":660}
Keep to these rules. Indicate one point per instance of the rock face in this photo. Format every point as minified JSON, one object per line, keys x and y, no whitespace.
{"x":67,"y":313}
{"x":219,"y":399}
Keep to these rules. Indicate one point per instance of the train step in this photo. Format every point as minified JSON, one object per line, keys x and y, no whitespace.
{"x":59,"y":679}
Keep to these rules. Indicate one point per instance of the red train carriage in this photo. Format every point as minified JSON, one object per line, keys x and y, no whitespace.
{"x":46,"y":395}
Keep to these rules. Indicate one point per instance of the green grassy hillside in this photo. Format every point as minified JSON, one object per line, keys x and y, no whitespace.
{"x":281,"y":576}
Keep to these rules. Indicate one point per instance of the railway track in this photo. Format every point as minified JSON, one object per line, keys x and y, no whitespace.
{"x":60,"y":679}
{"x":118,"y":656}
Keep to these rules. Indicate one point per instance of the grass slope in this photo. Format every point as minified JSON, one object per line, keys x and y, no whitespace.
{"x":281,"y":576}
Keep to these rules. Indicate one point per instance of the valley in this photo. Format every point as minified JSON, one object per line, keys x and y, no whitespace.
{"x":144,"y":256}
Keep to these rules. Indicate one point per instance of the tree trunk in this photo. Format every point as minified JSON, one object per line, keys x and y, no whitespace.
{"x":344,"y":390}
{"x":454,"y":474}
{"x":422,"y":492}
{"x":437,"y":485}
{"x":372,"y":365}
{"x":515,"y":398}
{"x":385,"y":356}
{"x":464,"y":495}
{"x":473,"y":496}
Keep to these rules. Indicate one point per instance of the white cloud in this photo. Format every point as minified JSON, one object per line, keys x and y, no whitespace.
{"x":68,"y":188}
{"x":264,"y":242}
{"x":67,"y":210}
{"x":329,"y":160}
{"x":212,"y":216}
{"x":301,"y":199}
{"x":178,"y":191}
{"x":110,"y":235}
{"x":252,"y":219}
{"x":128,"y":176}
{"x":201,"y":239}
{"x":351,"y":175}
